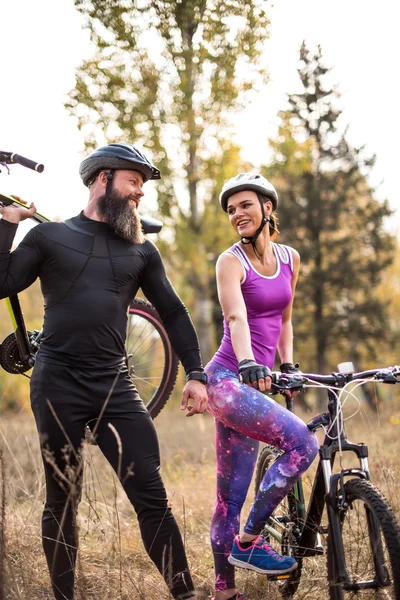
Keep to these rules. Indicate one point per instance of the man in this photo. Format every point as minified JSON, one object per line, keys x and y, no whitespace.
{"x":90,"y":269}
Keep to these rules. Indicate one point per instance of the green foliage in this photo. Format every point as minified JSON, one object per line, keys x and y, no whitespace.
{"x":193,"y":255}
{"x":329,"y":213}
{"x":170,"y":76}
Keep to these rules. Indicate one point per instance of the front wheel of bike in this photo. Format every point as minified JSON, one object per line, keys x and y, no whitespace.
{"x":282,"y":530}
{"x":152,"y":362}
{"x":371,"y":544}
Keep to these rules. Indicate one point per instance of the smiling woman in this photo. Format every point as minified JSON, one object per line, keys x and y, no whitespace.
{"x":256,"y":279}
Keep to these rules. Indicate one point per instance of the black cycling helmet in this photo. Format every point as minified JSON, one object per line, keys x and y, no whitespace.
{"x":117,"y":156}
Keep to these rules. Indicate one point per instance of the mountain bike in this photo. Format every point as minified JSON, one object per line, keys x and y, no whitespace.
{"x":363,"y":537}
{"x":153,"y":365}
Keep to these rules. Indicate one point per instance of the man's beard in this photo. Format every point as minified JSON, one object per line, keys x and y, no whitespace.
{"x":119,"y":215}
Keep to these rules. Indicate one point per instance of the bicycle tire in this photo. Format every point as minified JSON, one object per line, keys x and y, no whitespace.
{"x":287,"y":587}
{"x":10,"y":357}
{"x":152,"y":362}
{"x":359,"y":562}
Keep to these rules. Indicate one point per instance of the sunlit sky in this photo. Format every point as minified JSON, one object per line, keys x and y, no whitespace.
{"x":42,"y":43}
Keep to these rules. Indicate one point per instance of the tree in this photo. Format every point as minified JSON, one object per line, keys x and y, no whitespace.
{"x":170,"y":75}
{"x":329,"y":213}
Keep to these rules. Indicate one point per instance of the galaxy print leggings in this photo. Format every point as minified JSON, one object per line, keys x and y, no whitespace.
{"x":243,"y":416}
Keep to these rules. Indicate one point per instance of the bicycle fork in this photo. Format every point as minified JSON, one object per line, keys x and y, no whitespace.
{"x":337,"y":504}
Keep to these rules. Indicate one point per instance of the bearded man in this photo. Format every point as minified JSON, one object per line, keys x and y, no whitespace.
{"x":90,"y":268}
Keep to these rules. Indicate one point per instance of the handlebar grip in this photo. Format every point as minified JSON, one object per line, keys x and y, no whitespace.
{"x":26,"y":162}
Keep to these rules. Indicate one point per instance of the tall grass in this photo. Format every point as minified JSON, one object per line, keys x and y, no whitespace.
{"x":112,"y":564}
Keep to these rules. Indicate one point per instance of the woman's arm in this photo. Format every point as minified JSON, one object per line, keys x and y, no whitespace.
{"x":285,"y":342}
{"x":229,"y":274}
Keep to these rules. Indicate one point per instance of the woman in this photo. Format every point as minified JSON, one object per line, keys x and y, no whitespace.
{"x":256,"y":280}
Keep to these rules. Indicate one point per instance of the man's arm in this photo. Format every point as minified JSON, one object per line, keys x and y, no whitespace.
{"x":18,"y":269}
{"x":159,"y":291}
{"x":180,"y":329}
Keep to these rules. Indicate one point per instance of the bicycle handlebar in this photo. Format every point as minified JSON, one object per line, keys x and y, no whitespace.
{"x":12,"y":157}
{"x":287,"y":381}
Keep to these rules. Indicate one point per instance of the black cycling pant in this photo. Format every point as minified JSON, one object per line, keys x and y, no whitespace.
{"x":63,"y":400}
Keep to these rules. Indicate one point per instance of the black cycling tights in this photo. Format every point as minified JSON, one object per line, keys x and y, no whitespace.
{"x":63,"y":400}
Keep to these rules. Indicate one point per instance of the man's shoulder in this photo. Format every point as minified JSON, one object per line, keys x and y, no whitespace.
{"x":48,"y":228}
{"x":149,"y":245}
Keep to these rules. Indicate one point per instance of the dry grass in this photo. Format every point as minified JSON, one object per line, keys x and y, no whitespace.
{"x":112,"y":563}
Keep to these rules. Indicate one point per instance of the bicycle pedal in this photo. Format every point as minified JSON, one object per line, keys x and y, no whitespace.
{"x":280,"y":577}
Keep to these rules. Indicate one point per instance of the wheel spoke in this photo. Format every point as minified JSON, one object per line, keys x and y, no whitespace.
{"x":153,"y":366}
{"x":371,"y":544}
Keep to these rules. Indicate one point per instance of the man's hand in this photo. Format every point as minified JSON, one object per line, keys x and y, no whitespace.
{"x":194,"y":398}
{"x":16,"y":214}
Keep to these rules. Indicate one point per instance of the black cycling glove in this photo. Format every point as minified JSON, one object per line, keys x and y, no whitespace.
{"x":290,"y":368}
{"x":250,"y":371}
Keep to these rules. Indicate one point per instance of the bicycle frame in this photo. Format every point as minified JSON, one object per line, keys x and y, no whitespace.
{"x":327,"y":487}
{"x":325,"y":483}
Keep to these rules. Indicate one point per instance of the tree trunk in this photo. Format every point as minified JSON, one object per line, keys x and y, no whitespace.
{"x":203,"y":318}
{"x":319,"y":327}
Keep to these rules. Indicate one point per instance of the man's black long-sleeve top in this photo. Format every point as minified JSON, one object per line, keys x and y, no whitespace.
{"x":89,"y":276}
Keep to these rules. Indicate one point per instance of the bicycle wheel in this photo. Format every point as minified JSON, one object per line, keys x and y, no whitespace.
{"x":282,"y":531}
{"x":152,"y":362}
{"x":371,"y":542}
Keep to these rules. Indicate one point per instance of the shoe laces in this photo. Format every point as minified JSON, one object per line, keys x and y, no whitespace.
{"x":271,"y":551}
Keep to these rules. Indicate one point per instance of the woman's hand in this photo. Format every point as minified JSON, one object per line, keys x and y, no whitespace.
{"x":16,"y":214}
{"x":290,"y":368}
{"x":255,"y":375}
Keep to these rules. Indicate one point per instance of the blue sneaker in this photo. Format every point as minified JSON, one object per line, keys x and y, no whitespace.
{"x":260,"y":557}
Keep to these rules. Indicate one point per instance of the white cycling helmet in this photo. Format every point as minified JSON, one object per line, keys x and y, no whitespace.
{"x":248,"y":181}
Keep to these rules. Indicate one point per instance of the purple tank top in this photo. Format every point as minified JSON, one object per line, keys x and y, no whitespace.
{"x":266,"y":298}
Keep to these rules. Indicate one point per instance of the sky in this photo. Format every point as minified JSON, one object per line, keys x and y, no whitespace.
{"x":43,"y":42}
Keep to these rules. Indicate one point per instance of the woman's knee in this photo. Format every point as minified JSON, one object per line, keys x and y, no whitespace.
{"x":308,"y":447}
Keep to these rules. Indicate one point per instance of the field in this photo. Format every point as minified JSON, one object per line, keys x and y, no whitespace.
{"x":112,"y":563}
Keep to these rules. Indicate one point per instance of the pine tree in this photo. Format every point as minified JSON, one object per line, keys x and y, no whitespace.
{"x":329,"y":213}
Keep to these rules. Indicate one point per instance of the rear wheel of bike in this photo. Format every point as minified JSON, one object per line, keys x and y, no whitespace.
{"x":152,"y":362}
{"x":371,"y":543}
{"x":282,"y":531}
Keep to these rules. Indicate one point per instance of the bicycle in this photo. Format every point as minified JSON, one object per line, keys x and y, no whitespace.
{"x":363,"y":537}
{"x":152,"y":362}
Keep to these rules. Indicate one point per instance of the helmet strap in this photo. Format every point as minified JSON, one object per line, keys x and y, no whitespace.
{"x":109,"y":177}
{"x":253,"y":239}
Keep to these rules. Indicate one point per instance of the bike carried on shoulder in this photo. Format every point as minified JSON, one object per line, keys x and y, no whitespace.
{"x":152,"y":362}
{"x":363,"y":536}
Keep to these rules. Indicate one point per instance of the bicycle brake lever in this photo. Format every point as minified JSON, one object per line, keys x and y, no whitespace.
{"x":389,"y":375}
{"x":287,"y":381}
